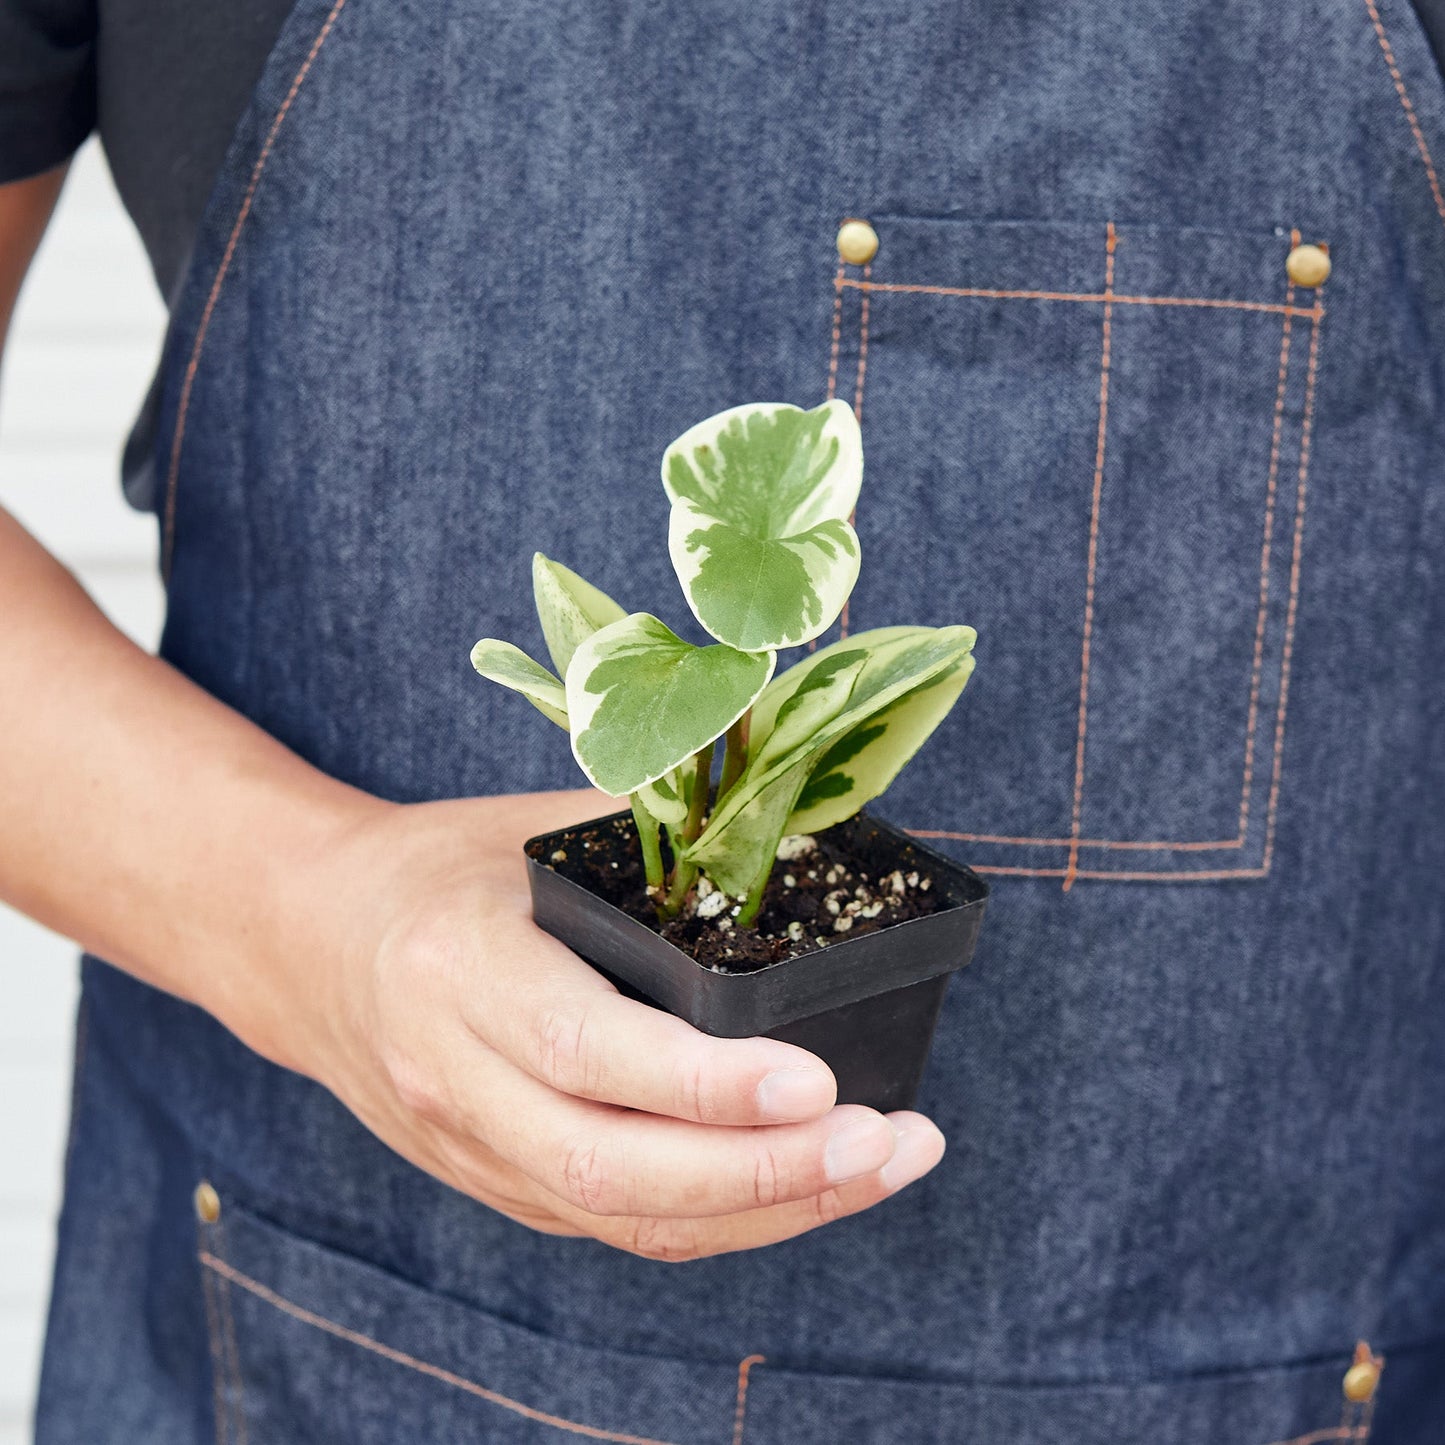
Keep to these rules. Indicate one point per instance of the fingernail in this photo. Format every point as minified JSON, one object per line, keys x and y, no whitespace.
{"x":920,"y":1147}
{"x":796,"y":1094}
{"x":859,"y":1148}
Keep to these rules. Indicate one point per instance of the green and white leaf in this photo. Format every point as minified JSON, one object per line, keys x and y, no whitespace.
{"x":569,"y":609}
{"x":862,"y":764}
{"x":667,"y":798}
{"x":898,"y":661}
{"x":768,"y":467}
{"x":759,"y":534}
{"x":754,"y":591}
{"x":641,"y":700}
{"x":820,"y":696}
{"x":510,"y":666}
{"x":734,"y":856}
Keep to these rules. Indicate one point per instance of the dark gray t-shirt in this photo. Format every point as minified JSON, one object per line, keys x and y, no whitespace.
{"x":163,"y":81}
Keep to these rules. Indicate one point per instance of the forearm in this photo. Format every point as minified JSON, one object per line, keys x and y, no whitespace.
{"x":145,"y":819}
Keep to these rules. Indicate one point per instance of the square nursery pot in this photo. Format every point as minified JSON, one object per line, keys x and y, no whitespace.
{"x":866,"y":1005}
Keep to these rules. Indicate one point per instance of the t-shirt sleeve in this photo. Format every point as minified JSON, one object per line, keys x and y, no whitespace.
{"x":47,"y":83}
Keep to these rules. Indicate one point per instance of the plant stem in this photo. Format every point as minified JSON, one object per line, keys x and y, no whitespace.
{"x":735,"y":756}
{"x":651,"y":848}
{"x":754,"y":901}
{"x":701,"y":781}
{"x":684,"y":874}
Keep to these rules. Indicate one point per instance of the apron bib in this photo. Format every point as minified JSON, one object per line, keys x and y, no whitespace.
{"x":467,"y":270}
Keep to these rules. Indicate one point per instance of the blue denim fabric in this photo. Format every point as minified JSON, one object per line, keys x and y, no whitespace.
{"x":495,"y":258}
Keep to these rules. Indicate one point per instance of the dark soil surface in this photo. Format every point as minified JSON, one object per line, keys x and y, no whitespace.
{"x":817,"y":895}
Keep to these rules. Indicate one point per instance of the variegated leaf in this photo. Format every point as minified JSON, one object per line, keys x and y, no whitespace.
{"x":861,"y":764}
{"x":819,"y":698}
{"x":734,"y":856}
{"x":755,"y":592}
{"x":667,"y":798}
{"x":759,"y":535}
{"x":641,"y":700}
{"x":510,"y":666}
{"x":769,"y":467}
{"x":569,"y":609}
{"x":898,"y":660}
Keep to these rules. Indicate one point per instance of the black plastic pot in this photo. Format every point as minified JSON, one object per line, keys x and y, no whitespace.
{"x":865,"y":1005}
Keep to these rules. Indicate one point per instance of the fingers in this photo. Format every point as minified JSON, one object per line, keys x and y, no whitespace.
{"x":570,"y":1029}
{"x":506,"y":1189}
{"x":920,"y":1147}
{"x":610,"y":1161}
{"x":595,"y":1044}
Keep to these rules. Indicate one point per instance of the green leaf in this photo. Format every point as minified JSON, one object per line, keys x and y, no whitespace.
{"x":755,"y":592}
{"x":733,"y":857}
{"x":759,"y":534}
{"x":510,"y":666}
{"x":864,"y":761}
{"x":569,"y":609}
{"x":769,"y":466}
{"x":898,"y":661}
{"x":666,"y":799}
{"x":818,"y":699}
{"x":642,"y":700}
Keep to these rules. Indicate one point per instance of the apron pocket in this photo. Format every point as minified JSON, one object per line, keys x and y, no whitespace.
{"x":311,"y":1346}
{"x":1091,"y":442}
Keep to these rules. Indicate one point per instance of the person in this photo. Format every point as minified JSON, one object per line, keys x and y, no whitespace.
{"x":1145,"y":346}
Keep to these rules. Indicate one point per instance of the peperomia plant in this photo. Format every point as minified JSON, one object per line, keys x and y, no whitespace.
{"x":760,"y":538}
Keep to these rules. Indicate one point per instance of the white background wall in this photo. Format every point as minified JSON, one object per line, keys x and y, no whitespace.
{"x":82,"y":346}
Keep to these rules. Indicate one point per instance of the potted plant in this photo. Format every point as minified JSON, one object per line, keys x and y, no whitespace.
{"x":765,"y":903}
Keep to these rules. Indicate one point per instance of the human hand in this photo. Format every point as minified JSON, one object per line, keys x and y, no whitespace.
{"x":485,"y":1052}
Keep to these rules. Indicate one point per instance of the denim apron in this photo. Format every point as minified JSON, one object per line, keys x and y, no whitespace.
{"x":467,"y":270}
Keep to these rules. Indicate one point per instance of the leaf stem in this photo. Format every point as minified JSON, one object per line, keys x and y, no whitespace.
{"x":735,"y":755}
{"x":651,"y":848}
{"x":701,"y":781}
{"x":754,"y":900}
{"x":684,"y":874}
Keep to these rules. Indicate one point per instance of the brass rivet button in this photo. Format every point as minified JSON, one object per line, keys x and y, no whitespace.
{"x":857,"y":242}
{"x":1308,"y":265}
{"x":1360,"y":1381}
{"x":207,"y":1202}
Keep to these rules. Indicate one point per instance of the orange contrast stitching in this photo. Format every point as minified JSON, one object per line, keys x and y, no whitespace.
{"x":1315,"y":314}
{"x":1099,"y":445}
{"x":1316,"y":1437}
{"x":213,"y":1337}
{"x":837,"y":332}
{"x":1288,"y":310}
{"x":984,"y":293}
{"x":1209,"y":846}
{"x":1265,"y":549}
{"x":857,"y":409}
{"x":1203,"y":876}
{"x":1414,"y":121}
{"x":1306,"y":431}
{"x":745,"y":1369}
{"x":862,"y":346}
{"x":397,"y":1357}
{"x":232,"y":1352}
{"x":193,"y":364}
